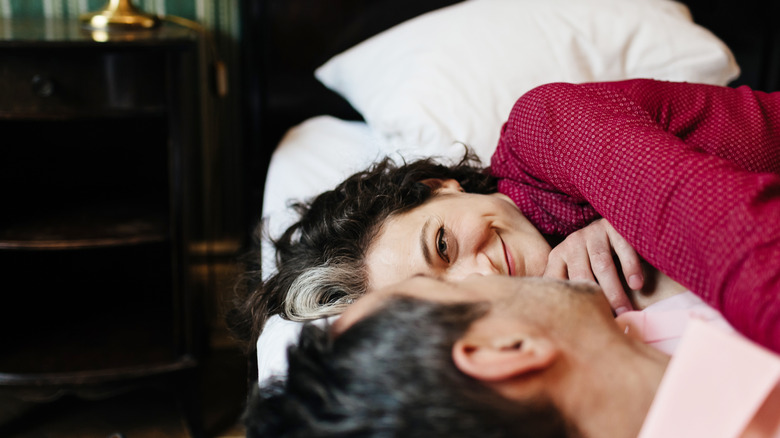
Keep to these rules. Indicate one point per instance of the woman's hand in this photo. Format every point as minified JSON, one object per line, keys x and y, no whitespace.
{"x":587,"y":254}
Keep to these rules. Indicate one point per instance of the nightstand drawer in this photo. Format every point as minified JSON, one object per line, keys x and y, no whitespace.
{"x":75,"y":82}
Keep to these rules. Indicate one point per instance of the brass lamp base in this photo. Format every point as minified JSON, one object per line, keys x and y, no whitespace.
{"x":119,"y":15}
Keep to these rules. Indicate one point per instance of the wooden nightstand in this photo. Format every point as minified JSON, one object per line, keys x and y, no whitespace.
{"x":98,"y":204}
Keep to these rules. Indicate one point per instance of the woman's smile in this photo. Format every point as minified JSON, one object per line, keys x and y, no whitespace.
{"x":510,"y":263}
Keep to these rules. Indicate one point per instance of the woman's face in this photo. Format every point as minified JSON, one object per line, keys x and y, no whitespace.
{"x":453,"y":235}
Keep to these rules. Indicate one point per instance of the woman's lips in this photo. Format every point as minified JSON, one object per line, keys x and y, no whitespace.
{"x":510,"y":264}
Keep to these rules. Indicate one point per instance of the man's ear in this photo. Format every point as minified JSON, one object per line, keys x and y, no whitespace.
{"x":500,"y":357}
{"x":440,"y":185}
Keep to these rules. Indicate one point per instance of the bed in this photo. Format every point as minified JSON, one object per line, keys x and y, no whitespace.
{"x":332,"y":86}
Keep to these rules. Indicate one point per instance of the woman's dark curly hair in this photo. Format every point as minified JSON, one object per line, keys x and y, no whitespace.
{"x":319,"y":259}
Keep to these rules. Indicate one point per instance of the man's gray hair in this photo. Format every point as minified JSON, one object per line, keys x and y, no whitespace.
{"x":392,"y":375}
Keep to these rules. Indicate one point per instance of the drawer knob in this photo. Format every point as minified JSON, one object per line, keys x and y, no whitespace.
{"x":42,"y":86}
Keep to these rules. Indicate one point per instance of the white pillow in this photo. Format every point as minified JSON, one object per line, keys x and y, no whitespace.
{"x":452,"y":75}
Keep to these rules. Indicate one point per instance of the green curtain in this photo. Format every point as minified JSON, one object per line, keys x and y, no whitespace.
{"x":205,"y":10}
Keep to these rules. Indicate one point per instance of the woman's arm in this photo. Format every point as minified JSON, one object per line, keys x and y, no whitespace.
{"x":687,"y":173}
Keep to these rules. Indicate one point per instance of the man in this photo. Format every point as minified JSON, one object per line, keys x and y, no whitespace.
{"x":501,"y":356}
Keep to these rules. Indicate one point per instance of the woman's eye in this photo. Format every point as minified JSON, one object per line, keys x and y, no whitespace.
{"x":441,"y":245}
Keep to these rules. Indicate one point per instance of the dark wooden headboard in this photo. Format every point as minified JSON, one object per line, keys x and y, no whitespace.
{"x":749,"y":28}
{"x":283,"y":42}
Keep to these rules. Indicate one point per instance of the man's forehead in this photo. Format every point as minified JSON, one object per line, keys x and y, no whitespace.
{"x":357,"y":311}
{"x":477,"y":288}
{"x":416,"y":287}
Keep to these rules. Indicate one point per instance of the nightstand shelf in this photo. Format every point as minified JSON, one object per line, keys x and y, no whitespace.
{"x":89,"y":314}
{"x":101,"y":204}
{"x":86,"y":226}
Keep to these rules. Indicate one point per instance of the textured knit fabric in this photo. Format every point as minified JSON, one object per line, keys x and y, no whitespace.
{"x":687,"y":173}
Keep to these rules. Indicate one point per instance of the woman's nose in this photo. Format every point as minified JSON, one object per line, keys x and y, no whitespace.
{"x":474,"y":245}
{"x":476,"y":265}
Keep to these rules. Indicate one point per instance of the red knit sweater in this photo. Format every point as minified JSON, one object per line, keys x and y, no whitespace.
{"x":689,"y":174}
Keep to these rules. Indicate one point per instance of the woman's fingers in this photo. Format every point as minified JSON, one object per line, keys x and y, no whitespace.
{"x":603,"y":266}
{"x":569,"y":262}
{"x":588,"y":254}
{"x":629,"y":259}
{"x":556,"y":268}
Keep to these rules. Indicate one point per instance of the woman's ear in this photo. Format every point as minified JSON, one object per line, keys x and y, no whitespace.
{"x":503,"y":356}
{"x":440,"y":185}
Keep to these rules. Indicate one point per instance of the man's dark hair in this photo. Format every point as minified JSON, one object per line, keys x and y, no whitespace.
{"x":320,"y":258}
{"x":392,"y":375}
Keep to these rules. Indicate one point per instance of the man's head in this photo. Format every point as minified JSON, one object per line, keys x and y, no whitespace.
{"x":391,"y":374}
{"x":489,"y":356}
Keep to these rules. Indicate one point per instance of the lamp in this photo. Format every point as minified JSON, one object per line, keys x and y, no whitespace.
{"x":119,"y":15}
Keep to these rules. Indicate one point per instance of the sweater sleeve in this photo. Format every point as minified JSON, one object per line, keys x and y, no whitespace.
{"x":687,"y":173}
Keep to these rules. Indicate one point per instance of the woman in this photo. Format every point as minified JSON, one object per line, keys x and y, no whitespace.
{"x":633,"y":152}
{"x":348,"y":240}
